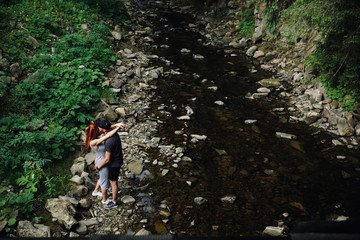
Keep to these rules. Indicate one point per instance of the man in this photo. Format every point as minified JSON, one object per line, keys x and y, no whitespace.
{"x":113,"y":157}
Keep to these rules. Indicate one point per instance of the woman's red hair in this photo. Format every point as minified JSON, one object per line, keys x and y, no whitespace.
{"x":91,"y":133}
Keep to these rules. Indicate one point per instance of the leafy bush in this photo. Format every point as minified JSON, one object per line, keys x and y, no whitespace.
{"x":247,"y":22}
{"x":45,"y":112}
{"x":336,"y":59}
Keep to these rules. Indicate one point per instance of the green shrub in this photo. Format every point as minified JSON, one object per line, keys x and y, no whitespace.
{"x":336,"y":59}
{"x":46,"y":112}
{"x":247,"y":22}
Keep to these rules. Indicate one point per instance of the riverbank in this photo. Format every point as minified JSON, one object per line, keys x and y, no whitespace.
{"x":152,"y":156}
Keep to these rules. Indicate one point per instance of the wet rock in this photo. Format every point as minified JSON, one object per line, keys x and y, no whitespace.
{"x":199,"y":137}
{"x":273,"y":231}
{"x":81,"y":228}
{"x":15,"y":70}
{"x":250,"y":52}
{"x":200,"y":201}
{"x":62,"y":210}
{"x":4,"y":64}
{"x":221,"y":152}
{"x":258,"y":54}
{"x":136,"y":167}
{"x":110,"y":114}
{"x":250,"y":121}
{"x":185,"y":51}
{"x":220,"y":103}
{"x":270,"y":172}
{"x":89,"y":183}
{"x":270,"y":82}
{"x":228,"y":199}
{"x":285,"y":135}
{"x":90,"y":222}
{"x":116,"y":35}
{"x":77,"y":179}
{"x":311,"y":117}
{"x":127,"y":199}
{"x":160,"y":228}
{"x":143,"y":232}
{"x":3,"y":224}
{"x":70,"y":199}
{"x":26,"y":229}
{"x":33,"y":41}
{"x":164,"y":172}
{"x":185,"y":117}
{"x":263,"y":90}
{"x":198,"y":57}
{"x":259,"y":95}
{"x":79,"y":190}
{"x":85,"y":203}
{"x":73,"y":235}
{"x":345,"y":129}
{"x":78,"y":168}
{"x":89,"y":158}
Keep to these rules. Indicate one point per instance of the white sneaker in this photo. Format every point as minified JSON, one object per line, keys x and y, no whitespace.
{"x":106,"y":202}
{"x":97,"y":194}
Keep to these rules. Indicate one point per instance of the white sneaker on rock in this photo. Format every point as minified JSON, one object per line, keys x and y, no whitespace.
{"x":96,"y":194}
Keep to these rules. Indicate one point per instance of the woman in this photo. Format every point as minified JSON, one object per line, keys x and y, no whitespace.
{"x":98,"y":145}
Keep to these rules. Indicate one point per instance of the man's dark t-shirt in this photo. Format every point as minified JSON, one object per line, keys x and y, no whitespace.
{"x":113,"y":145}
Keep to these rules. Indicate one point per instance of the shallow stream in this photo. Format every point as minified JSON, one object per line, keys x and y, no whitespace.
{"x":274,"y":180}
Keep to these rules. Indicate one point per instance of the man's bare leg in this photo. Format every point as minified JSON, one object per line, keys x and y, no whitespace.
{"x":114,"y":187}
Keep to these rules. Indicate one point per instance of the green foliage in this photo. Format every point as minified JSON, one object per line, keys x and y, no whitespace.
{"x":46,"y":111}
{"x":247,"y":22}
{"x":113,"y":10}
{"x":272,"y":16}
{"x":336,"y":58}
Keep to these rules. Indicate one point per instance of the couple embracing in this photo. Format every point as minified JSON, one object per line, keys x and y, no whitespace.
{"x":109,"y":157}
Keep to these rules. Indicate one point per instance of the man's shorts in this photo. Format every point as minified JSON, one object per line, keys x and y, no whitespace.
{"x":114,"y":173}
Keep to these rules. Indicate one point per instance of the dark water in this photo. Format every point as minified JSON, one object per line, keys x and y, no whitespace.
{"x":306,"y":180}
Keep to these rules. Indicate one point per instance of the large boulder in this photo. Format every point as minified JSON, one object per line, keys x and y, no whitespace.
{"x":62,"y":210}
{"x":79,"y":191}
{"x":110,"y":114}
{"x":26,"y":229}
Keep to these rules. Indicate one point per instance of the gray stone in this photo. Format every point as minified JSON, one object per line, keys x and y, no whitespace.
{"x":200,"y":201}
{"x":258,"y":54}
{"x":90,"y":158}
{"x":228,"y":199}
{"x":311,"y":117}
{"x":81,"y":228}
{"x":285,"y":135}
{"x":250,"y":52}
{"x":90,"y":222}
{"x":345,"y":129}
{"x":110,"y":114}
{"x":62,"y":210}
{"x":78,"y":168}
{"x":26,"y":229}
{"x":116,"y":35}
{"x":143,"y":232}
{"x":135,"y":167}
{"x":4,"y":64}
{"x":77,"y":179}
{"x":15,"y":70}
{"x":70,"y":199}
{"x":270,"y":82}
{"x":79,"y":190}
{"x":273,"y":231}
{"x":127,"y":199}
